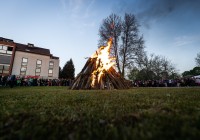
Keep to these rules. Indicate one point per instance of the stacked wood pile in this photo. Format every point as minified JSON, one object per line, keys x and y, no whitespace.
{"x":92,"y":78}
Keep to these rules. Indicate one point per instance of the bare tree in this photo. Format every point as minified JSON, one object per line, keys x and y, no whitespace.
{"x":197,"y":59}
{"x":111,"y":28}
{"x":128,"y":45}
{"x":132,"y":44}
{"x":162,"y":67}
{"x":155,"y":67}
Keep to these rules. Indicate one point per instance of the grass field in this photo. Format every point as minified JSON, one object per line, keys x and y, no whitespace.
{"x":59,"y":113}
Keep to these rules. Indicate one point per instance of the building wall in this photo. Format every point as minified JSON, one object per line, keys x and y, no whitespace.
{"x":31,"y":65}
{"x":56,"y":67}
{"x":6,"y":57}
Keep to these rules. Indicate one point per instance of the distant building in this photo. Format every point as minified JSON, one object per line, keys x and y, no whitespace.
{"x":27,"y":60}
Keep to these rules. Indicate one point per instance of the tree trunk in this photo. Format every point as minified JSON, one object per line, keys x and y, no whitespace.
{"x":116,"y":54}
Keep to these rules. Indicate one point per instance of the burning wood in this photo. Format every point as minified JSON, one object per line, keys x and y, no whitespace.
{"x":98,"y":72}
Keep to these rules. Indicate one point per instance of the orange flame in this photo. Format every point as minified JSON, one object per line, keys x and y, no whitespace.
{"x":103,"y":61}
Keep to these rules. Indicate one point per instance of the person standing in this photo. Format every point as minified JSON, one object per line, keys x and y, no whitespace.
{"x":12,"y":81}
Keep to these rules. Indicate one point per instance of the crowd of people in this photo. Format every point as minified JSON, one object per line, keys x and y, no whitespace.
{"x":12,"y":81}
{"x":167,"y":83}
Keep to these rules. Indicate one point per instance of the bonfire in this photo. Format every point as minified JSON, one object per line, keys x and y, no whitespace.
{"x":99,"y":72}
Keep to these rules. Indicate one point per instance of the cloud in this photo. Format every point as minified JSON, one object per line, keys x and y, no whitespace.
{"x":148,"y":11}
{"x":185,"y":40}
{"x":77,"y":8}
{"x":90,"y":24}
{"x":88,"y":12}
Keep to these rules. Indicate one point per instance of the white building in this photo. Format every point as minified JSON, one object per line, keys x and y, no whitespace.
{"x":27,"y":60}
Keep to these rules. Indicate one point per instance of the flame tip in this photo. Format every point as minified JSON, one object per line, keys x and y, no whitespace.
{"x":103,"y":61}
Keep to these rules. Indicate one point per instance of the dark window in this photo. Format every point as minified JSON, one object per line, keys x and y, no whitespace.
{"x":5,"y":59}
{"x":10,"y":48}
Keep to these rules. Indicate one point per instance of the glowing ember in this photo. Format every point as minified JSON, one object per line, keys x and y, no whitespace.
{"x":103,"y":62}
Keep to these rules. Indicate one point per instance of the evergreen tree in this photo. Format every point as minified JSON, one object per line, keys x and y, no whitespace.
{"x":195,"y":71}
{"x":68,"y":71}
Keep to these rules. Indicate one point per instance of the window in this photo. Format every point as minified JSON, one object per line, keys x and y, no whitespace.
{"x":50,"y":72}
{"x":10,"y":48}
{"x":4,"y":69}
{"x":37,"y":74}
{"x":23,"y":69}
{"x":38,"y":67}
{"x":39,"y":62}
{"x":24,"y":66}
{"x":22,"y":73}
{"x":37,"y":70}
{"x":5,"y":48}
{"x":24,"y":60}
{"x":2,"y":51}
{"x":1,"y":67}
{"x":9,"y":52}
{"x":5,"y":59}
{"x":51,"y":63}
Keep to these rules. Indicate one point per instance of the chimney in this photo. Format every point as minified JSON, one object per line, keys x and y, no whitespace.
{"x":30,"y":45}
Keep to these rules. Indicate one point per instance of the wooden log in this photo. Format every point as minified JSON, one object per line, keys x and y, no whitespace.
{"x":86,"y":64}
{"x":89,"y":67}
{"x":108,"y":80}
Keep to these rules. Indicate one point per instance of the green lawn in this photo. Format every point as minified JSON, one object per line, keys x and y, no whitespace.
{"x":60,"y":113}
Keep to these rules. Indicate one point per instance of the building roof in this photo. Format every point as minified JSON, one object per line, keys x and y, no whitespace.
{"x":29,"y":48}
{"x":32,"y":49}
{"x":54,"y":57}
{"x":6,"y":40}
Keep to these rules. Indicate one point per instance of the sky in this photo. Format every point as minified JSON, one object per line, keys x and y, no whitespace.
{"x":69,"y":28}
